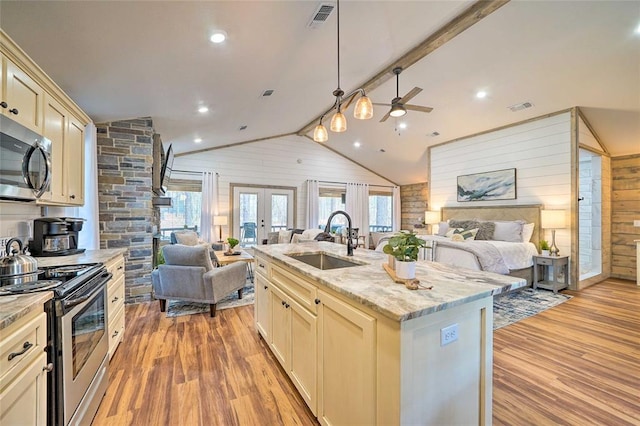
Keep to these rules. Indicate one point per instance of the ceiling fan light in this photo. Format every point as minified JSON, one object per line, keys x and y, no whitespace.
{"x":363,"y":109}
{"x":338,"y":122}
{"x":320,"y":134}
{"x":397,"y":110}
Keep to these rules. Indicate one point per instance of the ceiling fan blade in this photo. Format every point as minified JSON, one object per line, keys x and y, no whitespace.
{"x":410,"y":95}
{"x":382,"y":104}
{"x":418,"y":108}
{"x":387,"y":115}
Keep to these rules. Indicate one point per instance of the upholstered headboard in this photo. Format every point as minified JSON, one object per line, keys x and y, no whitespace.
{"x":529,"y":213}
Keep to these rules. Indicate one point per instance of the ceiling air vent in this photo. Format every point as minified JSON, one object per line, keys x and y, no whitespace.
{"x":268,"y":92}
{"x":320,"y":15}
{"x":520,"y":107}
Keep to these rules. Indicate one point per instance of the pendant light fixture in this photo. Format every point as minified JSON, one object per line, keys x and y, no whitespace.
{"x":362,"y":111}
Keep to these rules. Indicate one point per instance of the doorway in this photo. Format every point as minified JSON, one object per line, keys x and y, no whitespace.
{"x":258,"y":210}
{"x":590,"y":214}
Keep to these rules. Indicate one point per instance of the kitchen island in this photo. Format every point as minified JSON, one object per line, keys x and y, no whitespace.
{"x":362,"y":349}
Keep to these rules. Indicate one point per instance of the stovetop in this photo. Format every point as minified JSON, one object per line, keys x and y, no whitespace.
{"x":59,"y":279}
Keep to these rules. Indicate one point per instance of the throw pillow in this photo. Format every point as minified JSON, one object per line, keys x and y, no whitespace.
{"x":187,"y":238}
{"x":485,"y":231}
{"x":284,"y":236}
{"x":458,"y":233}
{"x":452,"y":231}
{"x":510,"y":231}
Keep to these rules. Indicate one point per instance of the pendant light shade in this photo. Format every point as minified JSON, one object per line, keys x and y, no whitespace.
{"x":320,"y":133}
{"x":338,"y":122}
{"x":363,"y":109}
{"x":397,"y":110}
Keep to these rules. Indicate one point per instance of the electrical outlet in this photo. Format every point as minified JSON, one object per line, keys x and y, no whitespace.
{"x":636,"y":223}
{"x":448,"y":334}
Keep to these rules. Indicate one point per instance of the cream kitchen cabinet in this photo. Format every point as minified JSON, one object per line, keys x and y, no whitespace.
{"x":22,"y":97}
{"x":262,"y":306}
{"x":115,"y":303}
{"x":23,"y":371}
{"x":67,"y":155}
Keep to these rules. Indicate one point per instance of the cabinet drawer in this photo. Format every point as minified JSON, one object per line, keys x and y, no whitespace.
{"x":21,"y":347}
{"x":300,"y":290}
{"x":116,"y":267}
{"x":116,"y":331}
{"x":115,"y":295}
{"x":544,"y":261}
{"x":263,"y":267}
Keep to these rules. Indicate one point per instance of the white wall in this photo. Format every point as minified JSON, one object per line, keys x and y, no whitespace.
{"x":287,"y":161}
{"x":539,"y":150}
{"x":16,"y":220}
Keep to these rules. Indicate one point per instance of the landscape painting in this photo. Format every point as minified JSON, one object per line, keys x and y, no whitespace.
{"x":487,"y":186}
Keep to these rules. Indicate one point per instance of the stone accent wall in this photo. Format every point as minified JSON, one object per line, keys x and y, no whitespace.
{"x":414,"y":202}
{"x":126,"y":211}
{"x":625,"y":208}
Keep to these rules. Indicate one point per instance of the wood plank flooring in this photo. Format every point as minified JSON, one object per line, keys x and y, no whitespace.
{"x":576,"y":364}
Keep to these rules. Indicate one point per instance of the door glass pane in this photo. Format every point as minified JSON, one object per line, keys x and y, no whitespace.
{"x":248,"y":218}
{"x":380,"y":213}
{"x":279,"y":210}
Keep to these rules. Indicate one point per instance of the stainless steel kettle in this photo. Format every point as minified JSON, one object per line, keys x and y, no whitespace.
{"x":16,"y":268}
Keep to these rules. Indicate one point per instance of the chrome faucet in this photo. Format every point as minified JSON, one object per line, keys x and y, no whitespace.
{"x":327,"y":229}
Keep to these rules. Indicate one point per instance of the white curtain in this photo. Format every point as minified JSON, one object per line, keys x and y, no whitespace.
{"x":396,"y":214}
{"x":357,"y":206}
{"x":209,"y":206}
{"x":313,"y":204}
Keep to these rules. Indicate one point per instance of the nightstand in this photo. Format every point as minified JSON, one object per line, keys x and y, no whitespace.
{"x":559,"y":264}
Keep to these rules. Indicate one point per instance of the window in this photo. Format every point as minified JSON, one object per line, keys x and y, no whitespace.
{"x":184,"y":212}
{"x":380,"y":212}
{"x":331,"y":199}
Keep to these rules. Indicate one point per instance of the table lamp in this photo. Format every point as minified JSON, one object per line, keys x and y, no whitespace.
{"x":553,"y":219}
{"x":220,"y":221}
{"x":431,"y":218}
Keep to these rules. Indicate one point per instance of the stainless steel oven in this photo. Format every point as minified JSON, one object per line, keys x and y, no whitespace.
{"x":25,"y":162}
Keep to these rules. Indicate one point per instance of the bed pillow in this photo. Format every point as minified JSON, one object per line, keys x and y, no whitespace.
{"x":510,"y":231}
{"x":443,"y":227}
{"x":527,"y":232}
{"x":485,"y":231}
{"x":460,"y":234}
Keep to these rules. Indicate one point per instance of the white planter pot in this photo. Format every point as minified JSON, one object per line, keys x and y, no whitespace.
{"x":544,"y":252}
{"x":406,"y":270}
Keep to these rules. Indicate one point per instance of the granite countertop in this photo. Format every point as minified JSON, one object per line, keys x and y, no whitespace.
{"x":89,"y":256}
{"x":370,"y":285}
{"x":14,"y":307}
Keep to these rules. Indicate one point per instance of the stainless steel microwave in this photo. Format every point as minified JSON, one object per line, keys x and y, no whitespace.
{"x":25,"y":162}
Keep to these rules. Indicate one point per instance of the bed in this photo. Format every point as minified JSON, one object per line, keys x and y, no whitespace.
{"x":513,"y":257}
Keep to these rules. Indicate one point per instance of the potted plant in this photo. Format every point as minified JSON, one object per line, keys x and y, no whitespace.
{"x":404,"y":247}
{"x":544,"y":247}
{"x":232,"y":243}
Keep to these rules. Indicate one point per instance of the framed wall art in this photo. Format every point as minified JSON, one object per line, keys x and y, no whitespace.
{"x":488,"y":186}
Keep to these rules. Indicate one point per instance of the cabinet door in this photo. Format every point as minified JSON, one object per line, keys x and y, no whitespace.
{"x":304,"y":340}
{"x":55,"y":128}
{"x":24,"y":401}
{"x":280,"y":325}
{"x":74,"y":154}
{"x":24,"y":98}
{"x":262,"y":306}
{"x":346,"y":369}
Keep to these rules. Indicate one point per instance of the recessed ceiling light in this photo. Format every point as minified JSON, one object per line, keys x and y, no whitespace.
{"x":356,"y":144}
{"x":203,"y":109}
{"x":402,"y":125}
{"x":218,"y":36}
{"x":481,"y":94}
{"x":197,"y":140}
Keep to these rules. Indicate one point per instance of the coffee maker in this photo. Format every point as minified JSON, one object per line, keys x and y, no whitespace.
{"x":55,"y":236}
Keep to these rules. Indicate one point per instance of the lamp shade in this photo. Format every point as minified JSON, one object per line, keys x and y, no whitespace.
{"x":363,"y":109}
{"x":219,"y":220}
{"x":320,"y":134}
{"x":553,"y":219}
{"x":338,"y":122}
{"x":397,"y":110}
{"x":431,"y":217}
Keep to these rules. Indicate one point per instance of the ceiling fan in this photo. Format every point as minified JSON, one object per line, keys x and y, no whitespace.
{"x":399,"y":105}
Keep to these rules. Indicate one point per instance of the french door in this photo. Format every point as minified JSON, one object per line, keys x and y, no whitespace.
{"x":259,"y":210}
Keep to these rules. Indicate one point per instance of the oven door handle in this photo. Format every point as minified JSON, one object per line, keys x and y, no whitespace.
{"x":74,"y":302}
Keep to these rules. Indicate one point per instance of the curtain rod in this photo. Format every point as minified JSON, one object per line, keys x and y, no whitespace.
{"x":190,"y":172}
{"x":344,"y":183}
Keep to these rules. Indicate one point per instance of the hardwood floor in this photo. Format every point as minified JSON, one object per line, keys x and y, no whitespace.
{"x":575,"y":364}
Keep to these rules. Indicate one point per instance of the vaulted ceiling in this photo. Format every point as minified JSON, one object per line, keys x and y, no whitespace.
{"x":127,"y":59}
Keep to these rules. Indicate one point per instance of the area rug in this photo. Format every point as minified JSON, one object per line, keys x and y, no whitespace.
{"x":176,"y":308}
{"x":516,"y":306}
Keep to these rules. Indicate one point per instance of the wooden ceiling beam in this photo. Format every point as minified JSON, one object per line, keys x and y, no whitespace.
{"x":472,"y":15}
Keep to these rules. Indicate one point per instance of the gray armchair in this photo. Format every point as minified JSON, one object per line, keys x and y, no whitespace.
{"x":188,"y":274}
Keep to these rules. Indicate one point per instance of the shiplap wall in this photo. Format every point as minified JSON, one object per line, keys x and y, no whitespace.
{"x":539,"y":150}
{"x":16,"y":220}
{"x":287,"y":161}
{"x":625,"y":209}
